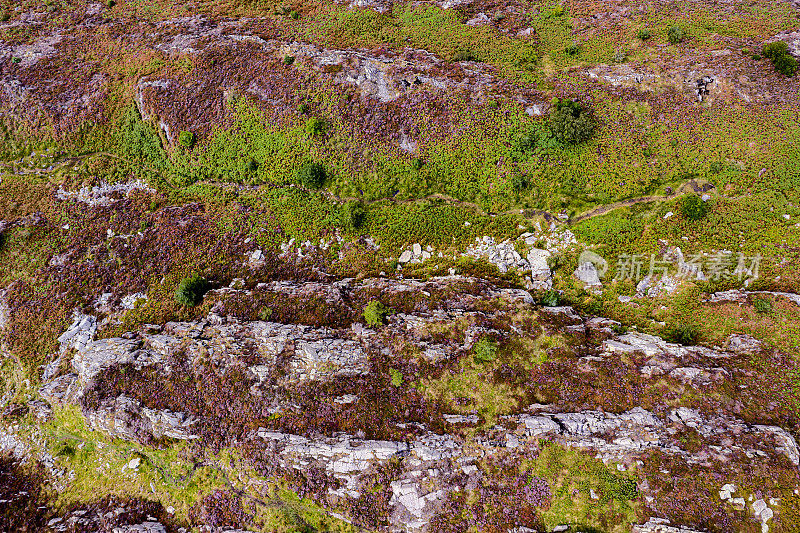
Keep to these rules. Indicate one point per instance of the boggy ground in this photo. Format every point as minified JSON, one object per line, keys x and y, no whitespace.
{"x":505,"y":388}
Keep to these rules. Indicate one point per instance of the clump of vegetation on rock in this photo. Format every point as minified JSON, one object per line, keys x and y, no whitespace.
{"x":191,"y":290}
{"x":783,"y":62}
{"x":311,"y":175}
{"x":762,"y":306}
{"x":375,"y":313}
{"x":549,"y":298}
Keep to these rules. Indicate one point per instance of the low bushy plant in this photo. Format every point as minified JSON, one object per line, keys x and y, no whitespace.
{"x":315,"y":126}
{"x":484,"y":351}
{"x":570,"y":122}
{"x":311,"y":175}
{"x":783,"y":62}
{"x":550,"y":298}
{"x":353,"y":214}
{"x":191,"y":290}
{"x":396,"y":377}
{"x":762,"y":306}
{"x":683,"y":333}
{"x":693,"y":207}
{"x":676,"y":34}
{"x":288,"y":60}
{"x":186,"y":139}
{"x":644,"y":34}
{"x":375,"y":313}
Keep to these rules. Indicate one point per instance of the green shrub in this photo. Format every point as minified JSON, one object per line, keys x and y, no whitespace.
{"x":783,"y":62}
{"x":572,"y":49}
{"x":111,"y":3}
{"x":265,"y":314}
{"x":762,"y":306}
{"x":5,"y":16}
{"x":315,"y":126}
{"x":294,"y":15}
{"x":484,"y":351}
{"x":693,"y":207}
{"x":311,"y":175}
{"x":676,"y":34}
{"x":186,"y":139}
{"x":375,"y":313}
{"x":396,"y":377}
{"x":353,"y":215}
{"x":550,"y":298}
{"x":417,"y":163}
{"x":190,"y":291}
{"x":539,"y":139}
{"x":302,"y":108}
{"x":685,"y":334}
{"x":16,"y":60}
{"x":570,"y":122}
{"x":139,"y":141}
{"x":643,"y":34}
{"x":464,"y":55}
{"x":288,"y":60}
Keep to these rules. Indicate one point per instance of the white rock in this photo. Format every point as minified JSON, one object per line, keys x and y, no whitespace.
{"x":587,"y":273}
{"x":668,"y":214}
{"x":406,"y":256}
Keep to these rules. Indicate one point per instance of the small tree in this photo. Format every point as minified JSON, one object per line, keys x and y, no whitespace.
{"x":375,"y":313}
{"x":315,"y":126}
{"x":311,"y":175}
{"x":191,"y":290}
{"x":693,"y":207}
{"x":570,"y":122}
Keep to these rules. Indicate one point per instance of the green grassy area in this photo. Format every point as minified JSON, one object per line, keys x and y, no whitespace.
{"x":574,"y":478}
{"x":174,"y":475}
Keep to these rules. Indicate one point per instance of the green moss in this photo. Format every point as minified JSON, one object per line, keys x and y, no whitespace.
{"x":484,"y":351}
{"x":574,"y":478}
{"x":375,"y":313}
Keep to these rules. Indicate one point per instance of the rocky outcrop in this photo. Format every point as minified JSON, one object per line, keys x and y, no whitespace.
{"x":272,"y":365}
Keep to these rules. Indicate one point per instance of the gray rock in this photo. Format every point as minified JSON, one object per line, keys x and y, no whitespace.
{"x":537,"y":258}
{"x":79,"y":333}
{"x":144,"y":527}
{"x":587,"y":273}
{"x":5,"y":312}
